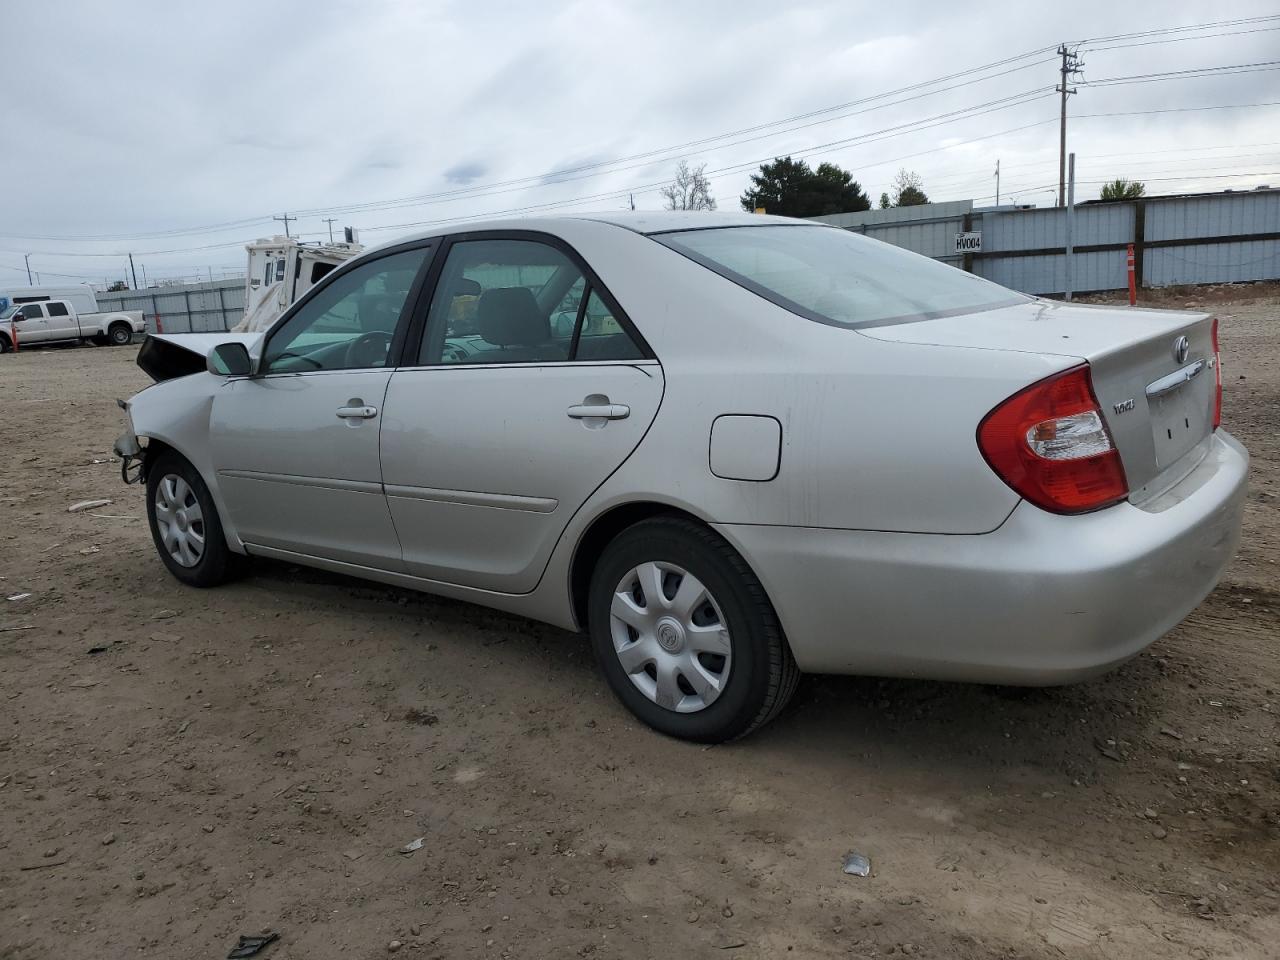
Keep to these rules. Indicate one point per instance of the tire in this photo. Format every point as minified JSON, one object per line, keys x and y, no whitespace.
{"x":120,"y":335}
{"x":746,"y":677}
{"x":177,"y":497}
{"x":5,"y":345}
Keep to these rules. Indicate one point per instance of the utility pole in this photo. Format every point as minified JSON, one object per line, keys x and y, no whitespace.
{"x":329,"y":221}
{"x":633,"y":201}
{"x":1070,"y":65}
{"x":286,"y":218}
{"x":133,"y":271}
{"x":1070,"y":226}
{"x":144,"y":276}
{"x":27,"y":258}
{"x":997,"y":182}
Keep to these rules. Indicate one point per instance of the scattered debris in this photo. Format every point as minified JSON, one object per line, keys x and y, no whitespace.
{"x":734,"y":946}
{"x":84,"y":505}
{"x":413,"y":845}
{"x":393,"y":946}
{"x":1159,"y":833}
{"x":420,"y":717}
{"x":1108,"y":749}
{"x":182,"y":727}
{"x":108,"y":839}
{"x":353,"y":855}
{"x":166,"y":637}
{"x":856,"y":865}
{"x":84,"y":683}
{"x":251,"y":946}
{"x":18,"y":596}
{"x":46,"y":863}
{"x":13,"y":629}
{"x":164,"y":614}
{"x":86,"y":551}
{"x":1166,"y":731}
{"x":1212,"y":703}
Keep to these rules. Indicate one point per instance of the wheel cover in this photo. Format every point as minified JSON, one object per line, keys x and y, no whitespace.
{"x":179,"y":520}
{"x":119,"y":335}
{"x":670,"y":637}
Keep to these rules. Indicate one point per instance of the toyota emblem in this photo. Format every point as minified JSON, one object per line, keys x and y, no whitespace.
{"x":1181,"y":347}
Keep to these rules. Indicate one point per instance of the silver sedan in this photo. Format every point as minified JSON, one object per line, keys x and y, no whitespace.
{"x":730,"y":447}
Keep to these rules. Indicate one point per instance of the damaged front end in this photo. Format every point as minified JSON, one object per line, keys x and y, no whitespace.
{"x":128,"y":448}
{"x":176,"y":405}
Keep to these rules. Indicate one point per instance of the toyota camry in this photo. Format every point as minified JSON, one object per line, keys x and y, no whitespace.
{"x":729,"y":447}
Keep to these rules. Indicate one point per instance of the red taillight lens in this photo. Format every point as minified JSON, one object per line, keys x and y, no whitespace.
{"x":1217,"y":373}
{"x":1050,"y":444}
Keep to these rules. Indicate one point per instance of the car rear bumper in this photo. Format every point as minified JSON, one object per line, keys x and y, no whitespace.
{"x":1045,"y":599}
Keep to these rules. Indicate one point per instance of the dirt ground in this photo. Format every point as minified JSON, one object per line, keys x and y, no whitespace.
{"x":253,"y":757}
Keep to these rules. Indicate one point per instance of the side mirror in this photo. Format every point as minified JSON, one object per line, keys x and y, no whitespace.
{"x":229,"y":360}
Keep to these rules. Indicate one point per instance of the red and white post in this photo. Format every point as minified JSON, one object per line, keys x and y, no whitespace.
{"x":1133,"y":290}
{"x":13,"y":335}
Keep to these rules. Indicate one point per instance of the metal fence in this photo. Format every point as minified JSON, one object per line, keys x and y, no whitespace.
{"x":183,"y":308}
{"x":1209,"y":238}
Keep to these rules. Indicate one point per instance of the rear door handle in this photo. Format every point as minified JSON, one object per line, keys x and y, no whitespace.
{"x":365,"y":412}
{"x":601,"y":411}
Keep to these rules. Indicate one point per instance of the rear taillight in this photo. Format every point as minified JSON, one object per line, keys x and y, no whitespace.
{"x":1217,"y":374}
{"x":1050,"y":444}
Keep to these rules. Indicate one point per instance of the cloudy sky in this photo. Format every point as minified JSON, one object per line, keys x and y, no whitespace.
{"x":178,"y":130}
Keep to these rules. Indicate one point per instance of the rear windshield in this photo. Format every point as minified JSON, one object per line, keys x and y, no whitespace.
{"x":838,"y":277}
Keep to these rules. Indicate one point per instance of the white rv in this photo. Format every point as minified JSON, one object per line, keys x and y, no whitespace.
{"x":280,"y":270}
{"x":79,"y":295}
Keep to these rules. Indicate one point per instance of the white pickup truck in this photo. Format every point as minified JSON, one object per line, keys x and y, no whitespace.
{"x":56,"y":321}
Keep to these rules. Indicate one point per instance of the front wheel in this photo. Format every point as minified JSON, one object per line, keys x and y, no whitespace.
{"x":685,"y":635}
{"x":185,"y":525}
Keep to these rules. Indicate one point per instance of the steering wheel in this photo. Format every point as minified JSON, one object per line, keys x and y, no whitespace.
{"x":369,"y":349}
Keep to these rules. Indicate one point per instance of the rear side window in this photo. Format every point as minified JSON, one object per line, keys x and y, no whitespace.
{"x":57,"y":309}
{"x":837,"y":277}
{"x":506,"y":301}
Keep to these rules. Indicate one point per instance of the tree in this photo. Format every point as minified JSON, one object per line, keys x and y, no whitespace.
{"x":885,"y":202}
{"x":908,"y":189}
{"x":791,"y":188}
{"x":1122,"y":189}
{"x":690,"y":190}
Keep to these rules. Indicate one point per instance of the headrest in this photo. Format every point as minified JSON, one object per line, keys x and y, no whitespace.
{"x":509,"y":317}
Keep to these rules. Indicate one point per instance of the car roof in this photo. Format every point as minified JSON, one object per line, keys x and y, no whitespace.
{"x":639,"y":221}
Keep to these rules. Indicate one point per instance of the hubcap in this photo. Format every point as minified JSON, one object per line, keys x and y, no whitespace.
{"x":670,"y":637}
{"x":179,"y":520}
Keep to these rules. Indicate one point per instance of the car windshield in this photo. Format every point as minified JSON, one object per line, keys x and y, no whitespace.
{"x":838,"y":277}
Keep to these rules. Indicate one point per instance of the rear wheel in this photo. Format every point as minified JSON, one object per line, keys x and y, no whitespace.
{"x":185,"y":526}
{"x":685,"y":634}
{"x":120,"y":335}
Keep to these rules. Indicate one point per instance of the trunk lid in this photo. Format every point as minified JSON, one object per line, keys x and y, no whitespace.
{"x":1157,"y":400}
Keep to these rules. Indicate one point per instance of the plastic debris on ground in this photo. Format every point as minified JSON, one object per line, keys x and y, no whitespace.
{"x":18,"y":596}
{"x":251,"y":946}
{"x":88,"y":505}
{"x":413,"y":845}
{"x":856,"y":865}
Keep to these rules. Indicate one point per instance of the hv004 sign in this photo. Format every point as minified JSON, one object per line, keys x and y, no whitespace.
{"x":969,"y":242}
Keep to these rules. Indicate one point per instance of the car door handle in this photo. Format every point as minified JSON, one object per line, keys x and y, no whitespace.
{"x":601,"y":411}
{"x":365,"y":412}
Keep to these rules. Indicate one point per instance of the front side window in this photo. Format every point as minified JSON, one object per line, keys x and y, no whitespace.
{"x":350,"y":323}
{"x":57,"y":309}
{"x":32,"y":311}
{"x":838,"y":277}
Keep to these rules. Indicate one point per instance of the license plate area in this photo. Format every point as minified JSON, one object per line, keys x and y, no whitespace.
{"x":1179,"y":420}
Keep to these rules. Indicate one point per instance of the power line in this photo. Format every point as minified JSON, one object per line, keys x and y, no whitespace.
{"x":1224,"y":70}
